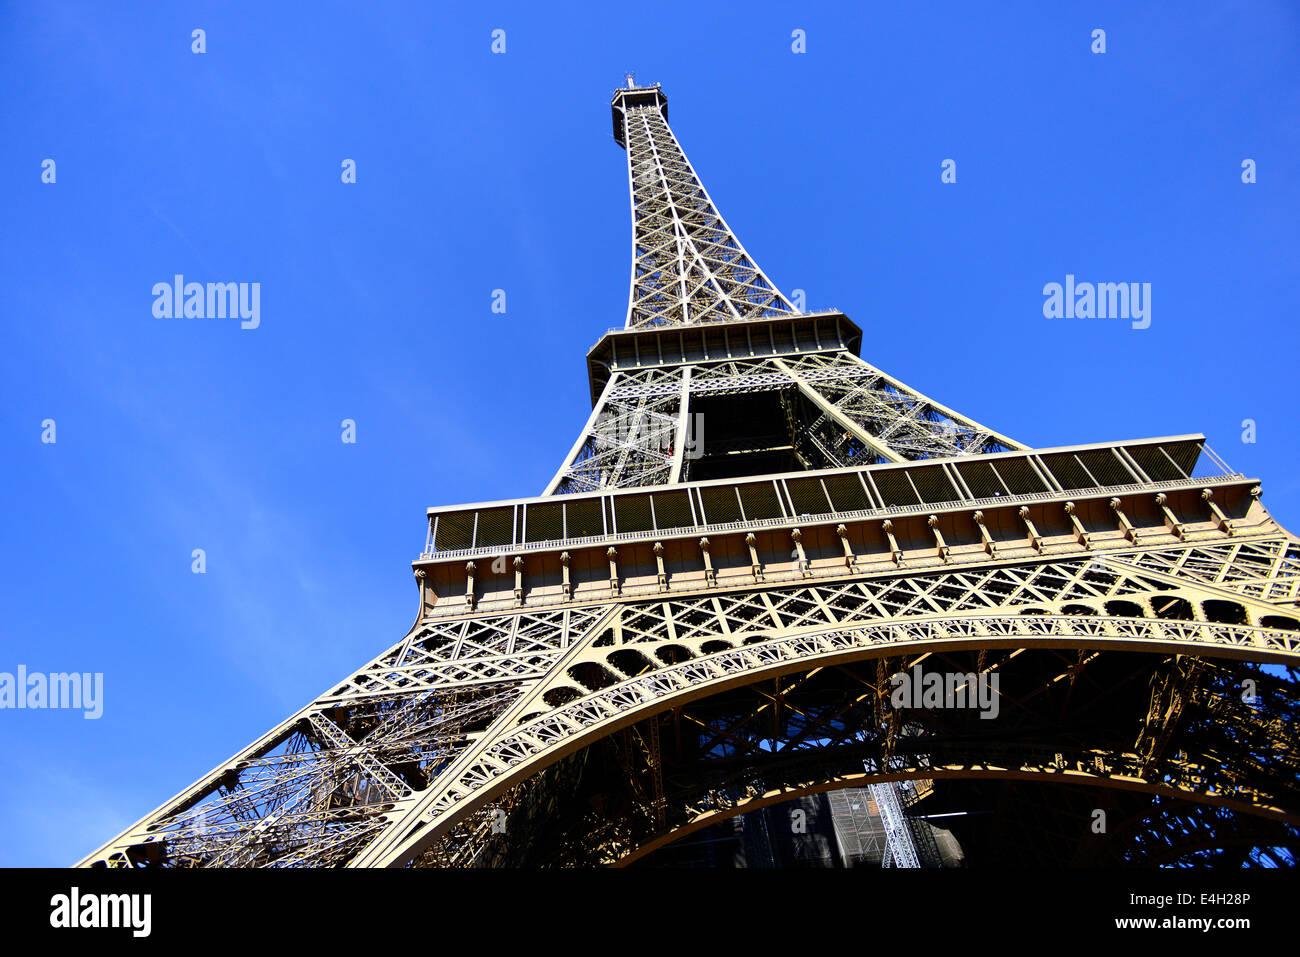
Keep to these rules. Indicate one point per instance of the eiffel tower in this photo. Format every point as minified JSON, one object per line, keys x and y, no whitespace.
{"x":704,"y":613}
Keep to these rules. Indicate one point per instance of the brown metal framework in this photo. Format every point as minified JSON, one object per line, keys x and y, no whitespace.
{"x":687,"y":628}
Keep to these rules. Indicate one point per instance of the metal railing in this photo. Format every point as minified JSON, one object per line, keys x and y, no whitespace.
{"x":888,"y":511}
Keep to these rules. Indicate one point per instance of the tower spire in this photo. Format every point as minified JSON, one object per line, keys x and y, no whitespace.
{"x":688,"y":266}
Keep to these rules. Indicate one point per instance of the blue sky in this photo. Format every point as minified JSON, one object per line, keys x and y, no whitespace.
{"x":479,"y":171}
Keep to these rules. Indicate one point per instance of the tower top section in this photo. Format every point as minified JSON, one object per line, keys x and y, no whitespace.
{"x":687,"y":265}
{"x":630,"y":96}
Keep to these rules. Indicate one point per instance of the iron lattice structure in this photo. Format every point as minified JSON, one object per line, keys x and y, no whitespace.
{"x":701,"y":615}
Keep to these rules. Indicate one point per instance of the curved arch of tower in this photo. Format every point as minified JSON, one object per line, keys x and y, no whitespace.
{"x":756,"y":541}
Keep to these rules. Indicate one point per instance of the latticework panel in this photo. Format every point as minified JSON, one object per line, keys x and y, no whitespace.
{"x":904,"y":422}
{"x":688,"y":267}
{"x":631,"y":436}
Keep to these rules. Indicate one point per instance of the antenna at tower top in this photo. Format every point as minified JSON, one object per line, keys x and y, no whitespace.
{"x":631,"y":80}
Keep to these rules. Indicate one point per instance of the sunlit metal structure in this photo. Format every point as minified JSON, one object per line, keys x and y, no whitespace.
{"x":701,"y":615}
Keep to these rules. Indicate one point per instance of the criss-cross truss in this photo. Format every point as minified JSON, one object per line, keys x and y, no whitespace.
{"x":687,"y":265}
{"x":593,"y":675}
{"x":836,"y":411}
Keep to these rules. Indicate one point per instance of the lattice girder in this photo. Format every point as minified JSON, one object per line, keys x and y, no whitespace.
{"x":817,"y":626}
{"x":688,"y":267}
